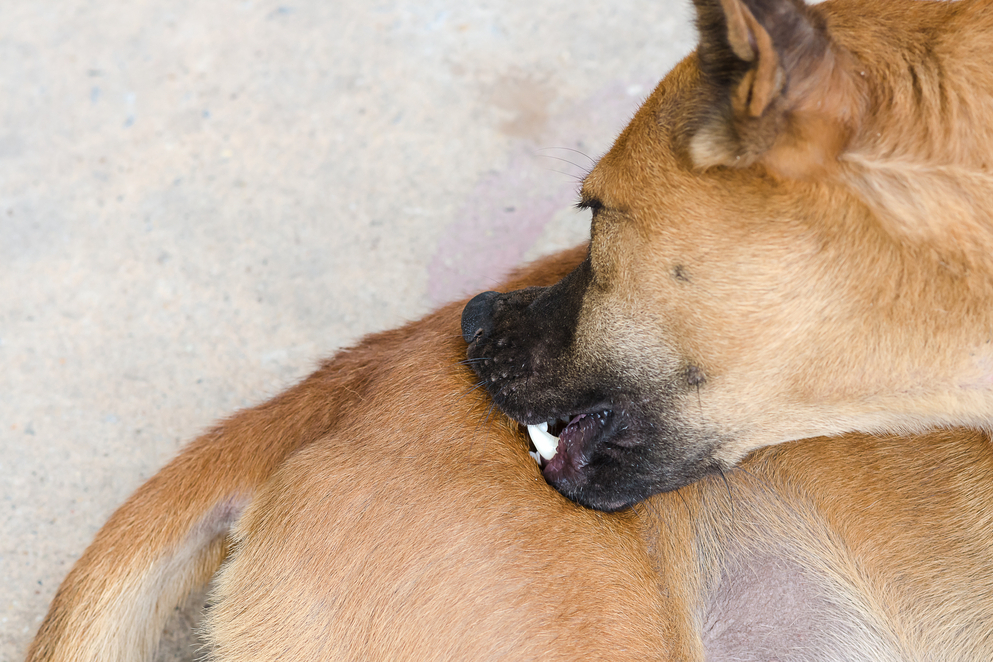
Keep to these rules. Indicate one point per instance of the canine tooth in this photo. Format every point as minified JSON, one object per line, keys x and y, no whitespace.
{"x":546,"y":443}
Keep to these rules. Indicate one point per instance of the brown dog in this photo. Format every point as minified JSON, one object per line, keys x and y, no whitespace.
{"x":792,"y":238}
{"x":379,"y":513}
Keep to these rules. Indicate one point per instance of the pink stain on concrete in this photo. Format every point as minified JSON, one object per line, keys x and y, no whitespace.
{"x":502,"y":219}
{"x":508,"y":209}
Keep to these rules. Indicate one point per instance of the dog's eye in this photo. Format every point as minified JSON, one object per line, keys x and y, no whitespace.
{"x":592,"y":204}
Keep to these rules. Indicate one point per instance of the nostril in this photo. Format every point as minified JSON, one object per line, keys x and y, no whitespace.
{"x":477,"y":316}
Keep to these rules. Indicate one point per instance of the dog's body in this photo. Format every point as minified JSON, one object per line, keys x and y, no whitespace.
{"x":793,"y":237}
{"x":379,"y":510}
{"x":435,"y":536}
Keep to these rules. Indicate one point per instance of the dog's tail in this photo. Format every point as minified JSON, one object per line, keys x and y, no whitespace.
{"x":170,"y":536}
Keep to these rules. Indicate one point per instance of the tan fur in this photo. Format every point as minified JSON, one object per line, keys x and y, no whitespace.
{"x":412,"y":525}
{"x":834,"y":275}
{"x":483,"y":565}
{"x":837,"y":275}
{"x":893,"y":529}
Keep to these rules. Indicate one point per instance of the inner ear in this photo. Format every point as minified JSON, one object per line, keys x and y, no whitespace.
{"x":750,"y":42}
{"x":777,"y":88}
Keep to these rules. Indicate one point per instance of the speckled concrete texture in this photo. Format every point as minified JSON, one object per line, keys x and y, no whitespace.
{"x":198,"y":200}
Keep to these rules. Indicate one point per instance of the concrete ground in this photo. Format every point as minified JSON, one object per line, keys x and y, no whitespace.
{"x":198,"y":200}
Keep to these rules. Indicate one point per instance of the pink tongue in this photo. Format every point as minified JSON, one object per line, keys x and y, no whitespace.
{"x":566,"y":463}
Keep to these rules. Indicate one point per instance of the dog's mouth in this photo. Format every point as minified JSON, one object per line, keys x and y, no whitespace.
{"x":561,"y":446}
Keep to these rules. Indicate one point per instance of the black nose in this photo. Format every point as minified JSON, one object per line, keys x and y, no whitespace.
{"x":477,"y":316}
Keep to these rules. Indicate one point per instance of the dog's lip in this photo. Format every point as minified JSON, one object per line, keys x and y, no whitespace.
{"x":563,"y":456}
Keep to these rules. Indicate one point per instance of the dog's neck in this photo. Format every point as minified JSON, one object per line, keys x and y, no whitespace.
{"x":922,"y":160}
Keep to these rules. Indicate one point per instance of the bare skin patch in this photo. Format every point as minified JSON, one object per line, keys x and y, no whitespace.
{"x":769,"y":607}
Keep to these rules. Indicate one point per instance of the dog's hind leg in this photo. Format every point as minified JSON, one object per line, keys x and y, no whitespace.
{"x":170,"y":536}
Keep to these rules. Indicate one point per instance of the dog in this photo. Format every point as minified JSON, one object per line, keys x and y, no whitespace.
{"x":379,"y":511}
{"x":792,"y":238}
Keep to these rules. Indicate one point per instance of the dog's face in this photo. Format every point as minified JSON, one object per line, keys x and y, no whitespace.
{"x":723,"y":287}
{"x":686,"y":285}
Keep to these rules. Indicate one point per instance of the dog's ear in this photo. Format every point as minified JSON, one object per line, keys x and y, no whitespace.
{"x":776,"y":89}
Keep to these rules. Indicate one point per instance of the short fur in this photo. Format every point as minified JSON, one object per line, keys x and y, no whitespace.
{"x":792,"y":238}
{"x":380,"y":511}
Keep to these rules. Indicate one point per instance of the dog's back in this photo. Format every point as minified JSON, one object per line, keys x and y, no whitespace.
{"x":391,"y":515}
{"x":422,"y":530}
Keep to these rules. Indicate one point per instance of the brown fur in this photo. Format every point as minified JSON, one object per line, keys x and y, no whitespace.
{"x":380,"y":510}
{"x":889,"y":244}
{"x":800,"y":214}
{"x":467,"y":554}
{"x":410,"y":524}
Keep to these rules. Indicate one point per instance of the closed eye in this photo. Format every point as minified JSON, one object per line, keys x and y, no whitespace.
{"x":593,"y":204}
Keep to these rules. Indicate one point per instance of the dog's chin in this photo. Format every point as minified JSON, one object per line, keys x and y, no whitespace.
{"x":602,"y":488}
{"x":596,"y":488}
{"x":602,"y":461}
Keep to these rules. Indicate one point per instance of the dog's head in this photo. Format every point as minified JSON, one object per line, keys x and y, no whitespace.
{"x":736,"y":251}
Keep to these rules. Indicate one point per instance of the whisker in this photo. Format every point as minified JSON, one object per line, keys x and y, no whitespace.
{"x":570,"y":149}
{"x":470,"y":390}
{"x":728,"y":486}
{"x":686,"y":504}
{"x":476,"y":360}
{"x":559,"y":158}
{"x":571,"y":176}
{"x":489,"y":412}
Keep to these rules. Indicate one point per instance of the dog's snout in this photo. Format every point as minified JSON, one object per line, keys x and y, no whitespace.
{"x":477,"y":316}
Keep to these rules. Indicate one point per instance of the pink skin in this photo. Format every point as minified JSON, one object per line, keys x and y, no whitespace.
{"x":568,"y":459}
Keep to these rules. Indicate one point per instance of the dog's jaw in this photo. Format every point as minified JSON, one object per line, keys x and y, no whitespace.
{"x":598,"y":442}
{"x":563,"y":456}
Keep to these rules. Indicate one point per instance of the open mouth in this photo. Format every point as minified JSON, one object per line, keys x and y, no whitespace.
{"x":560,"y":446}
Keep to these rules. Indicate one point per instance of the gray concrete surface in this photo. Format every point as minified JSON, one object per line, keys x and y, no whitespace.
{"x":198,"y":200}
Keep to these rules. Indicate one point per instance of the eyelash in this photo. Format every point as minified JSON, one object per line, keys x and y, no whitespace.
{"x":592,"y":204}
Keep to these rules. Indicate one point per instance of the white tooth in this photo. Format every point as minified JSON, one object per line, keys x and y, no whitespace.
{"x":535,"y":457}
{"x":546,"y":443}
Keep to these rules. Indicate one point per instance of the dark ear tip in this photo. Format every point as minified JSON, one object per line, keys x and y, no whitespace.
{"x":477,"y":315}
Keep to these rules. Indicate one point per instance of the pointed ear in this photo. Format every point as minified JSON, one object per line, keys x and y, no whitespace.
{"x":777,"y":89}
